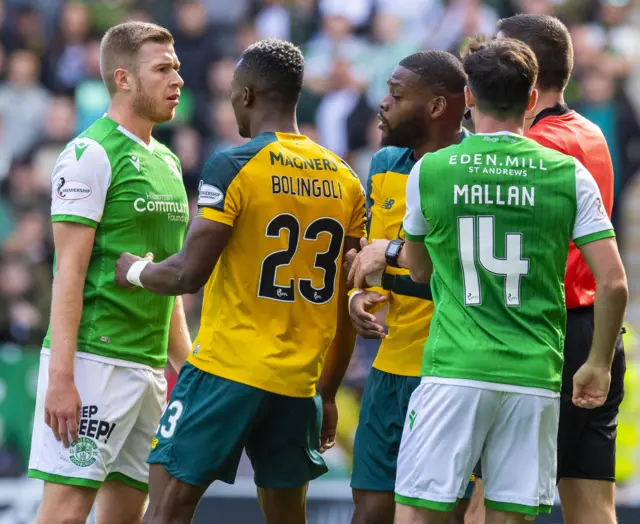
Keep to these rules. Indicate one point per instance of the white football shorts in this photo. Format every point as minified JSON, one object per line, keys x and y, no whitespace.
{"x":450,"y":426}
{"x":122,"y":403}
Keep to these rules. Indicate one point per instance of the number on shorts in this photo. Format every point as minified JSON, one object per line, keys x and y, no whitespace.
{"x":175,"y":411}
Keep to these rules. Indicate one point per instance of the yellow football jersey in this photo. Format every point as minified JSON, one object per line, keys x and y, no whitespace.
{"x":270,"y":307}
{"x":408,"y":317}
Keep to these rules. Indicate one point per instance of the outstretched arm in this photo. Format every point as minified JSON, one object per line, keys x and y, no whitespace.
{"x":184,"y":272}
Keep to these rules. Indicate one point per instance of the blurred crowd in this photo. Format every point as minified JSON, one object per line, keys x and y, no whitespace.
{"x":51,"y":90}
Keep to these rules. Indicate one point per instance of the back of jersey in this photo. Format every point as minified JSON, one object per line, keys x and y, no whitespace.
{"x":498,"y":213}
{"x":270,"y":307}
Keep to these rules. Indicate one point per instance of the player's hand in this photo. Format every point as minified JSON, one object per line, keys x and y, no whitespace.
{"x":62,"y":410}
{"x":350,"y":257}
{"x":329,"y":425}
{"x":365,"y":323}
{"x":370,"y":260}
{"x":591,"y":386}
{"x":123,"y":265}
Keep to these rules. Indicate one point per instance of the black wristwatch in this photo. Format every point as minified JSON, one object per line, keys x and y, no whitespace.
{"x":393,"y":252}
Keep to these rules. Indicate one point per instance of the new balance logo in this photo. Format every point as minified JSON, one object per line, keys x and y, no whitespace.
{"x":388,"y":203}
{"x":135,"y":161}
{"x":412,"y":419}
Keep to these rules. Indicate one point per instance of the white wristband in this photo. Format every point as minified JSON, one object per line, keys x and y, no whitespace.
{"x":133,"y":275}
{"x":356,"y":292}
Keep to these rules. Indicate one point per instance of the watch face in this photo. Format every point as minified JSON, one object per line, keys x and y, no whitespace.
{"x":393,"y":250}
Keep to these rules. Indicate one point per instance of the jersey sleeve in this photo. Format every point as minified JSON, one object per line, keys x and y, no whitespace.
{"x":79,"y":183}
{"x":219,"y":198}
{"x":415,"y":224}
{"x":592,"y":222}
{"x":356,"y":228}
{"x":359,"y":217}
{"x":377,"y":170}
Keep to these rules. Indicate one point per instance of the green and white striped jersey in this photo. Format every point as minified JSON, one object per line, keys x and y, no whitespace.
{"x":133,"y":194}
{"x":496,"y":213}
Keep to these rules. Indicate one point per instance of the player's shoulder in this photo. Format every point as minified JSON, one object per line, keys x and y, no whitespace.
{"x":235,"y":158}
{"x":92,"y":145}
{"x":81,"y":153}
{"x":242,"y":154}
{"x":100,"y":132}
{"x":222,"y":167}
{"x":585,"y":123}
{"x":551,"y":151}
{"x":392,"y":158}
{"x":81,"y":167}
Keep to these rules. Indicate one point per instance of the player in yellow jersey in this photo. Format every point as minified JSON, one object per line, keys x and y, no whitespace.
{"x":421,"y":114}
{"x":275,"y":216}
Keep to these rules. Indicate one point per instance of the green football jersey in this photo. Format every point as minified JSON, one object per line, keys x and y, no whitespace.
{"x":133,"y":194}
{"x":496,"y":213}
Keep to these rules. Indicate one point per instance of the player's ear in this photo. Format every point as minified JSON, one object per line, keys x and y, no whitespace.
{"x":248,"y":97}
{"x":438,"y":106}
{"x":469,"y":99}
{"x":122,"y":79}
{"x":533,"y":100}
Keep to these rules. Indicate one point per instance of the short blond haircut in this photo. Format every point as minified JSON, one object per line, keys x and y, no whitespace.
{"x":120,"y":46}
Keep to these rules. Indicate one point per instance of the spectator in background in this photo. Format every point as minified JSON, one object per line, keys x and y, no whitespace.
{"x":91,"y":97}
{"x":64,"y":64}
{"x":218,"y":76}
{"x":23,"y":102}
{"x":609,"y":108}
{"x":26,"y":29}
{"x":196,"y":43}
{"x":25,"y":282}
{"x":415,"y":15}
{"x":227,"y":14}
{"x":360,"y":159}
{"x":334,"y":47}
{"x":187,"y":145}
{"x":344,"y":93}
{"x":618,"y":38}
{"x":224,"y":126}
{"x":456,"y":21}
{"x":356,"y":12}
{"x":19,"y":318}
{"x":58,"y":128}
{"x":24,"y":189}
{"x":390,"y":45}
{"x":273,"y":20}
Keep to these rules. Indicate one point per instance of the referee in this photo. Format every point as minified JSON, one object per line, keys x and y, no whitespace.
{"x":586,"y":438}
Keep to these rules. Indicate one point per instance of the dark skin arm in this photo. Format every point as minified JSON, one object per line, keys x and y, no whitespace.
{"x":337,"y":360}
{"x":187,"y":271}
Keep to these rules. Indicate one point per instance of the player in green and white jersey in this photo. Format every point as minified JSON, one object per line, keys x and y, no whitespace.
{"x":101,"y":386}
{"x":489,"y":222}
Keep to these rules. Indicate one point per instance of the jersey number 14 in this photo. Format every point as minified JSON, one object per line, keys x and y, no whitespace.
{"x":327,"y":261}
{"x":474,"y":248}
